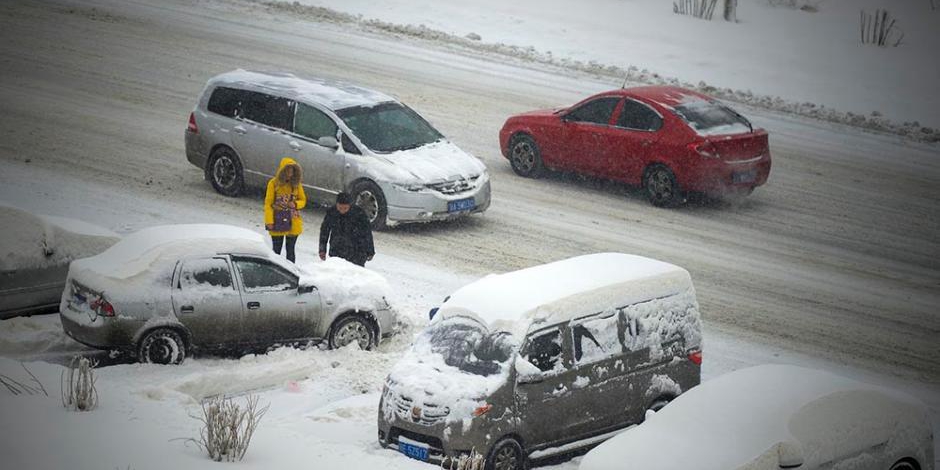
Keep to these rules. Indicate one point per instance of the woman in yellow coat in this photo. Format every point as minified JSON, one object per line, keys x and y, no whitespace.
{"x":283,"y":201}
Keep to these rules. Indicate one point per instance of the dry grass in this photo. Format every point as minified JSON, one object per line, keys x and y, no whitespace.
{"x":16,"y":387}
{"x":472,"y":461}
{"x":78,"y":385}
{"x":227,"y":427}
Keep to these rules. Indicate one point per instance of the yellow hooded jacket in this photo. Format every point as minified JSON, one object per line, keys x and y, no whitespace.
{"x":276,"y":189}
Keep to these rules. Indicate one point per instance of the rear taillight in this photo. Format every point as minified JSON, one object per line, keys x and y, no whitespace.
{"x":102,"y":307}
{"x":705,"y":149}
{"x":192,"y":124}
{"x":482,"y":410}
{"x":696,"y":357}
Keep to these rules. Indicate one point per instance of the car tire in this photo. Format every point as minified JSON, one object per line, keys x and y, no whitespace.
{"x":506,"y":455}
{"x":162,"y":346}
{"x":369,"y":197}
{"x":352,"y":328}
{"x":661,"y":186}
{"x":525,"y":156}
{"x":904,"y":464}
{"x":225,"y":172}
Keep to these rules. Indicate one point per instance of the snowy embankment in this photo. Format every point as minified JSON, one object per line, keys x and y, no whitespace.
{"x":806,"y":61}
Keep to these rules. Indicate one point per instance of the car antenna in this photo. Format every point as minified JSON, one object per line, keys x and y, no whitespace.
{"x":625,"y":76}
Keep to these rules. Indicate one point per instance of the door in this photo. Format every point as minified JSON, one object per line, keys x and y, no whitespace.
{"x":324,"y":168}
{"x":206,"y":301}
{"x":585,"y":139}
{"x":274,"y":309}
{"x":599,"y":362}
{"x":546,"y":402}
{"x":633,"y":138}
{"x":261,"y":134}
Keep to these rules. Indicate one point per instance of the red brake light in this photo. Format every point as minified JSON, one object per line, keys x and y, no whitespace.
{"x":102,"y":307}
{"x":696,"y":357}
{"x":482,"y":410}
{"x":192,"y":124}
{"x":705,"y":149}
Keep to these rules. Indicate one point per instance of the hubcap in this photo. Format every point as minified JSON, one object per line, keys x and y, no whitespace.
{"x":353,"y":332}
{"x":224,"y":171}
{"x":506,"y":459}
{"x":160,"y":351}
{"x":368,"y":203}
{"x":660,"y":185}
{"x":523,"y":155}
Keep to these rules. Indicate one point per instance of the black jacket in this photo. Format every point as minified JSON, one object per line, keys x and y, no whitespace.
{"x":349,"y":235}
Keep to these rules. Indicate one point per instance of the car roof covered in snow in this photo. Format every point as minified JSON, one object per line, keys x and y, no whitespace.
{"x":563,"y":290}
{"x":331,"y":94}
{"x":664,"y":95}
{"x":161,"y":246}
{"x":745,"y":415}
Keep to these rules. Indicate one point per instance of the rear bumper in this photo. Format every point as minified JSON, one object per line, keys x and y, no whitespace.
{"x":717,"y":177}
{"x":99,"y":332}
{"x":195,"y":152}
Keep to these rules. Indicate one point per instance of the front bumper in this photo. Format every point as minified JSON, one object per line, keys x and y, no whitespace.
{"x":426,"y":206}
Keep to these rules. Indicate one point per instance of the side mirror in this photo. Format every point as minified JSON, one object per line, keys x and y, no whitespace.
{"x":526,"y":372}
{"x":432,"y":312}
{"x":790,"y":454}
{"x":302,"y":289}
{"x":328,"y":142}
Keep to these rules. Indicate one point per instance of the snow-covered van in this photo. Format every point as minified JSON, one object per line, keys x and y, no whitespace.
{"x":396,"y":166}
{"x":545,"y":360}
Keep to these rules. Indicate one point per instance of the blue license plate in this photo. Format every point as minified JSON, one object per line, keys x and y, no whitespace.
{"x":744,"y":177}
{"x":461,"y":205}
{"x":413,"y":451}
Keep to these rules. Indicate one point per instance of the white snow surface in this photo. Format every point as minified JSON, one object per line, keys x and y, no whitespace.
{"x":30,"y":240}
{"x":333,"y":94}
{"x":554,"y":292}
{"x":346,"y":285}
{"x":437,"y":162}
{"x":801,"y":56}
{"x":735,"y":419}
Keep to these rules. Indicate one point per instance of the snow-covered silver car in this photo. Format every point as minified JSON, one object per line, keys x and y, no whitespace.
{"x":775,"y":417}
{"x":396,"y":166}
{"x":539,"y":362}
{"x":166,"y":290}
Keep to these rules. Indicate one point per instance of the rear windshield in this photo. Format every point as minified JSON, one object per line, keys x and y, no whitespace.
{"x":710,"y":117}
{"x":389,"y":127}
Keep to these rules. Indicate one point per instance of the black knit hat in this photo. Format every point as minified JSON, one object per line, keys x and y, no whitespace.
{"x":343,"y":198}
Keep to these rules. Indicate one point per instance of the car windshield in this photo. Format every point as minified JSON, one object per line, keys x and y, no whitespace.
{"x":711,"y":117}
{"x":389,"y":127}
{"x":468,"y":346}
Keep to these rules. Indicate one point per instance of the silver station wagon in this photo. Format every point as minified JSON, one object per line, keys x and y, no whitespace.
{"x":396,"y":166}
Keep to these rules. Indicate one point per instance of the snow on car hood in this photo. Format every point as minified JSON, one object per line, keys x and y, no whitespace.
{"x":30,"y":240}
{"x":347,"y":286}
{"x":742,"y":417}
{"x":433,"y":163}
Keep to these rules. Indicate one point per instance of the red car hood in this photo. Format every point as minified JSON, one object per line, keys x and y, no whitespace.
{"x":540,"y":112}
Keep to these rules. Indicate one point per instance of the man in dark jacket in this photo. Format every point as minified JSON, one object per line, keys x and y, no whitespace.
{"x":346,"y":228}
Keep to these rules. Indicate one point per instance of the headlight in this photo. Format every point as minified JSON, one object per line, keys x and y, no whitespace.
{"x":409,"y":187}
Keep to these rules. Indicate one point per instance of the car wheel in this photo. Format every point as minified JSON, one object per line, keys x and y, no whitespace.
{"x":352,"y":329}
{"x":661,"y":186}
{"x":225,"y":172}
{"x":368,"y":196}
{"x":162,"y":346}
{"x":525,"y":156}
{"x":904,"y":465}
{"x":506,"y":455}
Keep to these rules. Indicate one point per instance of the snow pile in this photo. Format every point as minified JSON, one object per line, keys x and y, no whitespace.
{"x":664,"y":320}
{"x":745,"y":416}
{"x":438,"y":162}
{"x":347,"y":286}
{"x":30,"y":241}
{"x":27,"y":336}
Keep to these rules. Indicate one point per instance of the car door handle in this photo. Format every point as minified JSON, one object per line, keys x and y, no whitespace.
{"x":254,"y":305}
{"x":187,"y":309}
{"x":294,"y":145}
{"x":239,"y":130}
{"x":646,"y":143}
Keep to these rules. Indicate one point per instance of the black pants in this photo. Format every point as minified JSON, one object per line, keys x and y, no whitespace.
{"x":278,"y":242}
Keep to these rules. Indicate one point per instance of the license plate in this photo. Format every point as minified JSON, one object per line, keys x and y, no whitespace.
{"x":744,"y":177}
{"x":461,"y":205}
{"x":415,"y":451}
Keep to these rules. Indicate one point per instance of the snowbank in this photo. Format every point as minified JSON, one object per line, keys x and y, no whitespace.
{"x":30,"y":240}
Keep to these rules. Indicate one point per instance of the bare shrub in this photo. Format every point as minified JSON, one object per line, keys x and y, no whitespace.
{"x":227,"y":427}
{"x":16,"y":387}
{"x":78,"y":385}
{"x":880,"y":29}
{"x":472,"y":461}
{"x":703,"y":9}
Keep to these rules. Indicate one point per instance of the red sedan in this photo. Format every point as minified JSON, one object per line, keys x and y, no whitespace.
{"x":668,"y":140}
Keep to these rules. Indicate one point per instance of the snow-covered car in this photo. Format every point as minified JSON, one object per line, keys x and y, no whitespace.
{"x":545,"y":360}
{"x":35,"y":252}
{"x":773,"y":417}
{"x":396,"y":166}
{"x":166,"y":290}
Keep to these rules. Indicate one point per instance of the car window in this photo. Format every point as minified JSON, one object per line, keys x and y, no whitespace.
{"x":596,"y":339}
{"x":225,"y":101}
{"x":269,"y":110}
{"x":262,"y":276}
{"x":544,"y":351}
{"x":597,"y":111}
{"x":388,"y":127}
{"x":711,"y":117}
{"x":349,"y":146}
{"x":636,"y":115}
{"x":211,"y":273}
{"x":312,"y":123}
